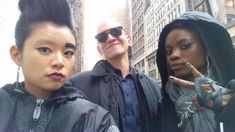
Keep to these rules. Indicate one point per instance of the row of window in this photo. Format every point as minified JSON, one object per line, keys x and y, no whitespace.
{"x":151,"y":63}
{"x":138,"y":53}
{"x":165,"y":12}
{"x":153,"y":29}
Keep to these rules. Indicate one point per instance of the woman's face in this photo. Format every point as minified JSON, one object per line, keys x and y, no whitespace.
{"x":47,"y":59}
{"x":183,"y":46}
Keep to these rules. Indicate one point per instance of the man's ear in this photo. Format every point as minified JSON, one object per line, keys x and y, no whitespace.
{"x":15,"y":55}
{"x":129,"y":40}
{"x":100,"y":51}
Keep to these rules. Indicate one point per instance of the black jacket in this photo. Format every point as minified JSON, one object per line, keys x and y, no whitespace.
{"x":219,"y":48}
{"x":227,"y":114}
{"x":101,"y":87}
{"x":65,"y":111}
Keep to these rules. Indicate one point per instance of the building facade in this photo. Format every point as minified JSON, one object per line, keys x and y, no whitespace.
{"x":77,"y":9}
{"x":156,"y":16}
{"x":230,"y":18}
{"x":149,"y":20}
{"x":139,"y":8}
{"x":127,"y":16}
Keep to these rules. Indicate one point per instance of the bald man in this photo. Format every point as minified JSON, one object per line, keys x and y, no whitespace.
{"x":130,"y":96}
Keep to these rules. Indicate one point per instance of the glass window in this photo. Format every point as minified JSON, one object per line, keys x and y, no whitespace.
{"x":152,"y":74}
{"x":229,"y":3}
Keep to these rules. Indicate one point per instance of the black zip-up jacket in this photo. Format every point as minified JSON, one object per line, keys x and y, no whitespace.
{"x":101,"y":87}
{"x":65,"y":111}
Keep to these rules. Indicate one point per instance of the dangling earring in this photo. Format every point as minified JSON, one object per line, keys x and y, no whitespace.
{"x":208,"y":65}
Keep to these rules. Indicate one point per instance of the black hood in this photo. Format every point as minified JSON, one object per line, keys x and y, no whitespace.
{"x":215,"y":39}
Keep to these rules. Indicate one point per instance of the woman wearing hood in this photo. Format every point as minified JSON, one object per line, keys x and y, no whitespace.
{"x":193,"y":46}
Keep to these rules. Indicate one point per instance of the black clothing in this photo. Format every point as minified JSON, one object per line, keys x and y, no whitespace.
{"x":131,"y":113}
{"x":227,"y":117}
{"x":218,"y":46}
{"x":101,"y":87}
{"x":227,"y":114}
{"x":64,"y":111}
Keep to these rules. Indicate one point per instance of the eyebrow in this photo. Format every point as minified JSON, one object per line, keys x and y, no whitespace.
{"x":70,"y":45}
{"x":180,"y":41}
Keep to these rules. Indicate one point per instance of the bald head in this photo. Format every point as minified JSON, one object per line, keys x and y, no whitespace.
{"x":107,"y":24}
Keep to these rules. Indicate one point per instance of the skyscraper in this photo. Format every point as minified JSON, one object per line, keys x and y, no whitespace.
{"x":77,"y":9}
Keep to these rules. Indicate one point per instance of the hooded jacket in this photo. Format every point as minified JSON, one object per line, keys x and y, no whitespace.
{"x":64,"y":111}
{"x":218,"y":46}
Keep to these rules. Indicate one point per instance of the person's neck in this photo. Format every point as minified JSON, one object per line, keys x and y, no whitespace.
{"x":37,"y":92}
{"x":122,"y":64}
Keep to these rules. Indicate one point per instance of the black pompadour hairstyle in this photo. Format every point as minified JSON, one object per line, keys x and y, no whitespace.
{"x":35,"y":11}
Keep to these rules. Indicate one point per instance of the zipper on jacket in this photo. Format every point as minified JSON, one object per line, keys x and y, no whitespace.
{"x":37,"y":110}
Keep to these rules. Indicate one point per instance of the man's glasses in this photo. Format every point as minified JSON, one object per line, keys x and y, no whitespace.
{"x":103,"y":36}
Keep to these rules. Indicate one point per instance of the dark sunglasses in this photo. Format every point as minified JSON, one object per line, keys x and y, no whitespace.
{"x":103,"y":36}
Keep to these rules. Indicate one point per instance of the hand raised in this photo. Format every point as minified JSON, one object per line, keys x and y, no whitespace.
{"x":186,"y":83}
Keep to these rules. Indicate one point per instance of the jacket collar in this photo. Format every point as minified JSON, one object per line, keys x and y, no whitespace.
{"x":65,"y":93}
{"x":102,"y":68}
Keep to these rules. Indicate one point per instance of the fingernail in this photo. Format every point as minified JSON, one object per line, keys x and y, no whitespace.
{"x":188,"y":65}
{"x":171,"y":78}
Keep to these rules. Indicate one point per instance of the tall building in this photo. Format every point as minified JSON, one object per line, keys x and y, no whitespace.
{"x":231,"y":29}
{"x":156,"y":16}
{"x":150,"y":41}
{"x":127,"y":23}
{"x":77,"y":9}
{"x":222,"y":10}
{"x":139,"y":8}
{"x":230,"y":18}
{"x":127,"y":17}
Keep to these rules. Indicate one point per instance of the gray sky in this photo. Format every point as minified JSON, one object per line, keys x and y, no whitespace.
{"x":8,"y":17}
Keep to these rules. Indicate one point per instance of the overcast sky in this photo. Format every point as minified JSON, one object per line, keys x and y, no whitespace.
{"x":8,"y":16}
